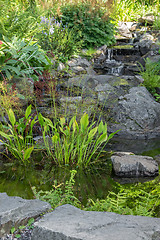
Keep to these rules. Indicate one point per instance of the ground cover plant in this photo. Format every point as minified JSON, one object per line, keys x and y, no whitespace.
{"x":139,"y":199}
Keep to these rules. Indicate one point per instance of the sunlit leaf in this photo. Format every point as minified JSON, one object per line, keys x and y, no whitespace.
{"x":27,"y":153}
{"x":28,"y":111}
{"x":11,"y":116}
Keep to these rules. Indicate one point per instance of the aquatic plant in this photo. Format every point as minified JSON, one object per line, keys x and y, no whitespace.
{"x":18,"y":136}
{"x":73,"y":143}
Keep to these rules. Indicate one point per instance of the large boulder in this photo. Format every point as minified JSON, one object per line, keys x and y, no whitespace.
{"x":125,"y":165}
{"x":15,"y":211}
{"x":125,"y":105}
{"x":137,"y":114}
{"x":70,"y":223}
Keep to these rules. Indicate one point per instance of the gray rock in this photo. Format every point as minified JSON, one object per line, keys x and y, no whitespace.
{"x":70,"y":223}
{"x":138,"y":110}
{"x":71,"y":99}
{"x":78,"y":69}
{"x":15,"y":211}
{"x":149,"y":19}
{"x":134,"y":166}
{"x":144,"y":46}
{"x":60,"y":67}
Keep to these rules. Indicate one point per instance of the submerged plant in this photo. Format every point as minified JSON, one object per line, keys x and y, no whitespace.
{"x":73,"y":143}
{"x":18,"y":136}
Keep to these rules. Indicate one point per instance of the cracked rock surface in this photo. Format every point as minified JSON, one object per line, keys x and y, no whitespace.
{"x":70,"y":223}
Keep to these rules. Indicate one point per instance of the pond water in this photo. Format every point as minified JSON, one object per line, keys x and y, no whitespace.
{"x":89,"y":183}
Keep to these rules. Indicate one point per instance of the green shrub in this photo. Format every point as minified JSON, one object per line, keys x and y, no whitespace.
{"x":96,"y":29}
{"x":21,"y":58}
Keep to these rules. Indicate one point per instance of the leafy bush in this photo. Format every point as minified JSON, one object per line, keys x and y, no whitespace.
{"x":73,"y":143}
{"x":21,"y":58}
{"x":18,"y":136}
{"x":58,"y":195}
{"x":96,"y":29}
{"x":57,"y":39}
{"x":17,"y":19}
{"x":151,"y":76}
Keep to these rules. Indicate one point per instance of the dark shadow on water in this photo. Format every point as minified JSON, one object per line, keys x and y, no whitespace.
{"x":135,"y":146}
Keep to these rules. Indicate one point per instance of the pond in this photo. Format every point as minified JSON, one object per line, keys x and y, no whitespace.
{"x":89,"y":183}
{"x":93,"y":182}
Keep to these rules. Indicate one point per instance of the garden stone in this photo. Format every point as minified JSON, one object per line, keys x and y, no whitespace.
{"x":137,"y":112}
{"x":15,"y":211}
{"x":127,"y":165}
{"x":149,"y":19}
{"x":60,"y":67}
{"x":70,"y":223}
{"x":124,"y":29}
{"x":147,"y":36}
{"x":79,"y":70}
{"x":144,"y":46}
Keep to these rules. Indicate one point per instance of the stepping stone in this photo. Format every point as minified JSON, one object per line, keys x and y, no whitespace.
{"x":70,"y":223}
{"x":126,"y":165}
{"x":15,"y":211}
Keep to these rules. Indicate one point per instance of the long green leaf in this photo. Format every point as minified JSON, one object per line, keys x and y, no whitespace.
{"x":28,"y":111}
{"x":84,"y":122}
{"x":11,"y":116}
{"x":27,"y":153}
{"x":92,"y":133}
{"x":5,"y":135}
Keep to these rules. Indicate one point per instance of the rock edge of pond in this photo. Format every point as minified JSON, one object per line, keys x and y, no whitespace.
{"x":69,"y":222}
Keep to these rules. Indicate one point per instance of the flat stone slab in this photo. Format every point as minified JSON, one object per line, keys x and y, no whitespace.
{"x":126,"y":165}
{"x":15,"y":211}
{"x":70,"y":223}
